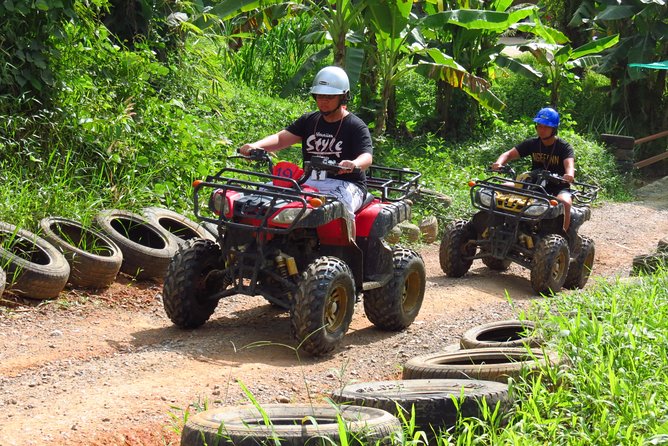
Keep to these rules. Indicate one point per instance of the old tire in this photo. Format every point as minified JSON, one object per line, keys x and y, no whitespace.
{"x":395,"y":306}
{"x":94,"y":258}
{"x":454,"y":247}
{"x":496,"y":264}
{"x":186,"y":290}
{"x":3,"y":281}
{"x":324,"y":305}
{"x":291,"y":425}
{"x":649,"y":264}
{"x":146,"y":249}
{"x":662,"y":245}
{"x":581,"y":266}
{"x":33,"y":266}
{"x":177,"y":226}
{"x":549,"y":265}
{"x":501,"y":334}
{"x":432,"y":399}
{"x":492,"y":364}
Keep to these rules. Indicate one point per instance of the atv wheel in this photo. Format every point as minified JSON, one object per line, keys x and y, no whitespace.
{"x":550,"y":264}
{"x":581,"y":266}
{"x":186,"y":288}
{"x":455,"y":247}
{"x":324,"y":305}
{"x":395,"y":306}
{"x":496,"y":264}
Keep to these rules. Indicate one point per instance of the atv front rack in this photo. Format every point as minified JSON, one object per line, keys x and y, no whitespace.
{"x":265,"y":194}
{"x":511,"y":201}
{"x":393,"y":184}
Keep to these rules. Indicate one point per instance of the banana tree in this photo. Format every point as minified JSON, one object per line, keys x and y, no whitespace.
{"x":642,"y":26}
{"x":339,"y":31}
{"x":471,"y":38}
{"x":400,"y":41}
{"x":557,"y":55}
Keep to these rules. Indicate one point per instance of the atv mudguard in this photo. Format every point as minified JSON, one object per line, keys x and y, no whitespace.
{"x":377,"y":219}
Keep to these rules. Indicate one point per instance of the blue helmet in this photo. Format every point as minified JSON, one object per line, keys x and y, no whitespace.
{"x":547,"y":116}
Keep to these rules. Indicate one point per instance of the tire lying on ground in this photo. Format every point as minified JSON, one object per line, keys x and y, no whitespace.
{"x":34,"y":267}
{"x":94,"y":258}
{"x":432,"y":399}
{"x":662,"y":245}
{"x":146,"y":249}
{"x":649,"y":264}
{"x":501,"y":334}
{"x":493,"y":364}
{"x":3,"y":281}
{"x":178,"y":226}
{"x":294,"y":425}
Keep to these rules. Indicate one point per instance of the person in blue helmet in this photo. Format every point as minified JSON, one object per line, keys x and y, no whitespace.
{"x":548,"y":152}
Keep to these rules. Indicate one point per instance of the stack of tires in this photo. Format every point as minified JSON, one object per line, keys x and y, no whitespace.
{"x":438,"y":388}
{"x":40,"y":264}
{"x":452,"y":383}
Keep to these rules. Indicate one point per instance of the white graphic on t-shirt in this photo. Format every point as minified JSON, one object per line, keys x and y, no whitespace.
{"x":324,"y":144}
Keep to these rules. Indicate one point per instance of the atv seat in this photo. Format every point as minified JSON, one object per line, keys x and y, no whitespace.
{"x":368,"y":198}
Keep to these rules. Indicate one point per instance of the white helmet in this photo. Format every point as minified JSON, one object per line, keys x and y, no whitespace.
{"x":331,"y":80}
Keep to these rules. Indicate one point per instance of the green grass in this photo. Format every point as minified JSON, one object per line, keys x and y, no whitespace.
{"x":615,"y":391}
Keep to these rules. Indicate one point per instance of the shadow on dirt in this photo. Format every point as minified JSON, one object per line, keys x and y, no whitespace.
{"x":514,"y":282}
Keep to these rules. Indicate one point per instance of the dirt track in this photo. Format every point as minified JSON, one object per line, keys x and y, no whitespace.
{"x":110,"y":369}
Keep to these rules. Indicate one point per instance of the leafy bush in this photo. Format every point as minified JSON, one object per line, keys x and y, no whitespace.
{"x":523,"y":97}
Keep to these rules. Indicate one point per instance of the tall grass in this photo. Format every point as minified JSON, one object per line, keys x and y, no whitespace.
{"x":615,"y":391}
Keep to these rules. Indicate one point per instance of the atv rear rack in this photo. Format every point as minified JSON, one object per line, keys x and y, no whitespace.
{"x":393,"y":184}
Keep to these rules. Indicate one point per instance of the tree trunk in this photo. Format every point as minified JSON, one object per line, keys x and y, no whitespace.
{"x":443,"y":100}
{"x":369,"y":82}
{"x":391,"y":123}
{"x":381,"y":116}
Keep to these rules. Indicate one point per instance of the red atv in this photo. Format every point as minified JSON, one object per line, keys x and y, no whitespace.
{"x":298,"y":248}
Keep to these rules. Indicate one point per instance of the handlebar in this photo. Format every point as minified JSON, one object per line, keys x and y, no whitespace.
{"x":503,"y":169}
{"x":582,"y":193}
{"x":255,"y":155}
{"x":316,"y":163}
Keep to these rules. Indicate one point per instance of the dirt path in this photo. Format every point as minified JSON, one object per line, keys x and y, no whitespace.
{"x":110,"y":369}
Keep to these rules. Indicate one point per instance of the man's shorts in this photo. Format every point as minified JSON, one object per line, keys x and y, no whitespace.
{"x":350,"y":194}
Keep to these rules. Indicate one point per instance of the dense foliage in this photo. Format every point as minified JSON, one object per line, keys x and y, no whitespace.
{"x":124,"y":129}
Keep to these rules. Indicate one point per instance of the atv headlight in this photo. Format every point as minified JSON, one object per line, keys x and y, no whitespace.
{"x":536,"y":210}
{"x":218,"y":203}
{"x":288,"y":215}
{"x":485,"y":197}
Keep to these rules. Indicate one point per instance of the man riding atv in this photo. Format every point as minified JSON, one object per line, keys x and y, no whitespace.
{"x":331,"y":132}
{"x":531,"y":219}
{"x":309,"y":240}
{"x":548,"y":152}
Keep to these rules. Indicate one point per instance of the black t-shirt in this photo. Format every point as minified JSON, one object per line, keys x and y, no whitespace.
{"x":546,"y":157}
{"x":341,"y":140}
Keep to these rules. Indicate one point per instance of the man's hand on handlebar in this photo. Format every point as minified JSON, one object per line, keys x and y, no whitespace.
{"x":346,"y":166}
{"x":245,"y":150}
{"x":496,"y":167}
